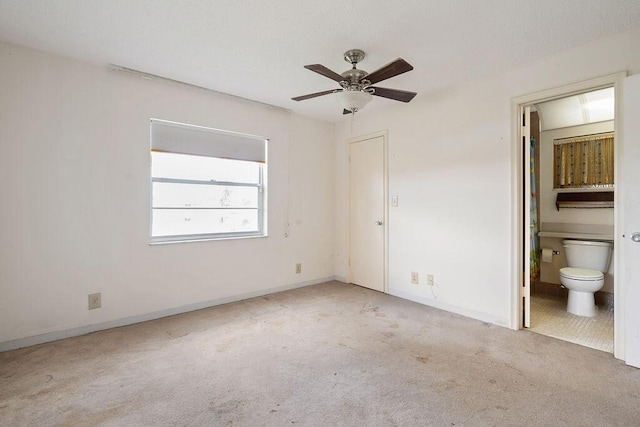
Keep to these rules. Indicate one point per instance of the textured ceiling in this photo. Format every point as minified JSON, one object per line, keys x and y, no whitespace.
{"x":256,"y":49}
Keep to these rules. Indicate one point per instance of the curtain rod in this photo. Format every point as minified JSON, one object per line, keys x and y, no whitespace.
{"x":584,"y":136}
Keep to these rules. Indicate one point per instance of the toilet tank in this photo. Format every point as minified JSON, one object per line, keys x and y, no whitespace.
{"x":588,"y":254}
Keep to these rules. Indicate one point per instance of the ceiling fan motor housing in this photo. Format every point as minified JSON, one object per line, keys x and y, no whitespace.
{"x":354,"y":56}
{"x":353,"y":76}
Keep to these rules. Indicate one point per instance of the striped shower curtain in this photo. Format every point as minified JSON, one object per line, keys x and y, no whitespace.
{"x":534,"y":252}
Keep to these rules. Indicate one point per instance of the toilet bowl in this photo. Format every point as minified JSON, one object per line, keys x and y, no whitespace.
{"x":584,"y":276}
{"x":582,"y":284}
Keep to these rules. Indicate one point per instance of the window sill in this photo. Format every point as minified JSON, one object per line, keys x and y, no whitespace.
{"x":212,"y":239}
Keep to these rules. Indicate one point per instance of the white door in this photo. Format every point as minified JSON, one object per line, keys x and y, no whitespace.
{"x":366,"y":213}
{"x":525,"y":118}
{"x":631,"y":213}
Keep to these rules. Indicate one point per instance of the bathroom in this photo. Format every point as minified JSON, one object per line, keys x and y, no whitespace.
{"x":564,"y":208}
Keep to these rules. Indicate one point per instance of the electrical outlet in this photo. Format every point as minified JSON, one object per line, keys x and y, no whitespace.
{"x":429,"y":279}
{"x":298,"y":268}
{"x":95,"y":301}
{"x":414,"y":278}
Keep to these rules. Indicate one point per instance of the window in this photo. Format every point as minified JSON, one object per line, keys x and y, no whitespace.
{"x":205,"y":183}
{"x":583,"y":162}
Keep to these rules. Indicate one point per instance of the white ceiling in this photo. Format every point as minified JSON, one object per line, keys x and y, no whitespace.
{"x":589,"y":107}
{"x":256,"y":49}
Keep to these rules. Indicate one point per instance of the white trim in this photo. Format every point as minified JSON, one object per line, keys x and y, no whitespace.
{"x":476,"y":315}
{"x":83,"y":330}
{"x":619,"y":267}
{"x":385,"y":179}
{"x":525,"y":143}
{"x":609,"y":80}
{"x":148,"y":76}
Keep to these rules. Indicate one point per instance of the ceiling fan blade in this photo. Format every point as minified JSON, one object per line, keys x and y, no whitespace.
{"x":396,"y":67}
{"x":395,"y":94}
{"x":346,"y":111}
{"x":322,"y":70}
{"x":313,"y":95}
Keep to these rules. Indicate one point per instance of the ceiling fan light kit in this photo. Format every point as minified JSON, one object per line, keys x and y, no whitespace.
{"x":356,"y":88}
{"x":353,"y":100}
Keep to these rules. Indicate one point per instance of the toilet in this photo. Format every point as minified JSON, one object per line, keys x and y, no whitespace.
{"x":587,"y":262}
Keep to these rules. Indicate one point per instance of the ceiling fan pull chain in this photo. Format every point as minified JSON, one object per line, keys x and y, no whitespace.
{"x":353,"y":118}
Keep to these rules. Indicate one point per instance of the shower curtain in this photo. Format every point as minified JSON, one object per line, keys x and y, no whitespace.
{"x":534,"y":252}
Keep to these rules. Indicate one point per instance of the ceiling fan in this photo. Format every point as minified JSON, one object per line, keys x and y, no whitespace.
{"x":356,"y":85}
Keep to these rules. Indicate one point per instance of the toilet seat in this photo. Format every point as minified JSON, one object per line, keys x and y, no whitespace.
{"x":585,"y":274}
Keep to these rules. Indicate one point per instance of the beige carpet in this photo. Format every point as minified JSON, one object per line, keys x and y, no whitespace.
{"x":329,"y":354}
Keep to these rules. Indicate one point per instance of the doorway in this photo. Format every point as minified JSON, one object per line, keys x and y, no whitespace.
{"x":367,"y":212}
{"x":576,"y":127}
{"x":526,"y":284}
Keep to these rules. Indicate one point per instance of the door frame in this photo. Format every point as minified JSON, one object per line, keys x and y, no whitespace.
{"x":525,"y":144}
{"x":385,"y":179}
{"x":520,"y":218}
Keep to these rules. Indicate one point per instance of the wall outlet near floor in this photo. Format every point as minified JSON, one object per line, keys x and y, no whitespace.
{"x":414,"y":278}
{"x":95,"y":301}
{"x":298,"y":268}
{"x":429,"y":279}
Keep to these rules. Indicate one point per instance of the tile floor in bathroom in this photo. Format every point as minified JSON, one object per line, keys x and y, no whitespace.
{"x":549,"y":317}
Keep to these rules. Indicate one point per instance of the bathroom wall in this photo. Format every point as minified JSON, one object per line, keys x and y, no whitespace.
{"x":552,"y":219}
{"x":548,"y":211}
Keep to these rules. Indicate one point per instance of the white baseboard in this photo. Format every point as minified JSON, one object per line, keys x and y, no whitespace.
{"x":478,"y":315}
{"x":83,"y":330}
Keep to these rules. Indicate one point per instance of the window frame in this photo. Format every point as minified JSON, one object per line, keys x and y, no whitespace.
{"x":198,"y":237}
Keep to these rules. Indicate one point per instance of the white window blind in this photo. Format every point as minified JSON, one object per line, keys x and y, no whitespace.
{"x":200,"y":141}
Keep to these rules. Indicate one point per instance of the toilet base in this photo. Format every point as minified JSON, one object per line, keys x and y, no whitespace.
{"x":581,"y":303}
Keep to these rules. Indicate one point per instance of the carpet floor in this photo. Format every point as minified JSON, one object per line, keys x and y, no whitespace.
{"x":325,"y":355}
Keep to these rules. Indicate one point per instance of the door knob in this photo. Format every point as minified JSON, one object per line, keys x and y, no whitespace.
{"x":635,"y":237}
{"x":380,"y":223}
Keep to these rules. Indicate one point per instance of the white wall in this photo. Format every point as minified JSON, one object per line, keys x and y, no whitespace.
{"x":74,"y":162}
{"x":548,"y":211}
{"x":450,"y":157}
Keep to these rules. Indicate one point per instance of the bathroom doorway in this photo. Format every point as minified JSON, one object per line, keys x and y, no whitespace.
{"x":551,"y":117}
{"x":556,"y":124}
